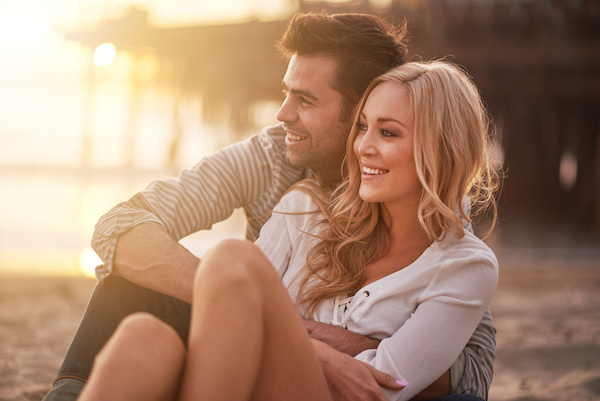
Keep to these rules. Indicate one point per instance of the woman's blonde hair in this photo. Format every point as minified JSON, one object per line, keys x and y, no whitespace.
{"x":452,"y":132}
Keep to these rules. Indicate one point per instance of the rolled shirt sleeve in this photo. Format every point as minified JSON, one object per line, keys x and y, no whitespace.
{"x":252,"y":174}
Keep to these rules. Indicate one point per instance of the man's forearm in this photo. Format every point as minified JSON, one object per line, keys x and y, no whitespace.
{"x":341,"y":339}
{"x":148,"y":256}
{"x":352,"y":344}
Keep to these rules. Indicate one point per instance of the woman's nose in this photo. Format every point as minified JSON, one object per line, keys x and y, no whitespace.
{"x":364,"y":144}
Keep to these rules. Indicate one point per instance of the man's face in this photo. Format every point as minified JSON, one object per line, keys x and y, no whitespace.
{"x":312,"y":116}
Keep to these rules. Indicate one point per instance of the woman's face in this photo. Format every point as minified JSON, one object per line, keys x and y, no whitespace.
{"x":384,"y":147}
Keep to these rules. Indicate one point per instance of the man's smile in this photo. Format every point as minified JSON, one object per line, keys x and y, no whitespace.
{"x":294,"y":138}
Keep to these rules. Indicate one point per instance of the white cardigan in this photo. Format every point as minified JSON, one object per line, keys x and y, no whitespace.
{"x":424,"y":313}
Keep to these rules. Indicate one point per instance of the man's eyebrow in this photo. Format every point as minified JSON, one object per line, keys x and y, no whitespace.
{"x":300,"y":92}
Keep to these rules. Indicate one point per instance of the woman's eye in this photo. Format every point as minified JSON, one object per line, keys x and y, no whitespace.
{"x":361,"y":126}
{"x":387,"y":133}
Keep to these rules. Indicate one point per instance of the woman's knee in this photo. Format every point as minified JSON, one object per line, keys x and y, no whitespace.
{"x":234,"y":263}
{"x":138,"y":326}
{"x":142,"y":338}
{"x":232,"y":257}
{"x":144,"y":359}
{"x":230,"y":250}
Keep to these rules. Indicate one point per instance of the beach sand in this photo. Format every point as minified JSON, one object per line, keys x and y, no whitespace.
{"x":547,"y":314}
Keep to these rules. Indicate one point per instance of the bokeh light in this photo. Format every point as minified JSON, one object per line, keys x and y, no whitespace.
{"x":104,"y":54}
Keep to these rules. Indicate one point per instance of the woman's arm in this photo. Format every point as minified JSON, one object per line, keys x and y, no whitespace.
{"x":446,"y":315}
{"x":352,"y":344}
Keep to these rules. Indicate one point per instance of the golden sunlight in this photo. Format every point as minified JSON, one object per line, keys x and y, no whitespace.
{"x":23,"y":28}
{"x":88,"y":260}
{"x":104,"y":54}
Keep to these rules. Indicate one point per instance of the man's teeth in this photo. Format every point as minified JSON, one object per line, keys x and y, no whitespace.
{"x":293,"y":137}
{"x":373,"y":171}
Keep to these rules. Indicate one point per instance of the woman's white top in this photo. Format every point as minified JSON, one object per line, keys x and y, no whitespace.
{"x":424,"y":313}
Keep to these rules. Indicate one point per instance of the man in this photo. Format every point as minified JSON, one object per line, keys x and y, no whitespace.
{"x":332,"y":58}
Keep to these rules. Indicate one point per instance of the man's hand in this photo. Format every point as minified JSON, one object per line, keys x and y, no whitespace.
{"x":341,"y":339}
{"x":350,"y":379}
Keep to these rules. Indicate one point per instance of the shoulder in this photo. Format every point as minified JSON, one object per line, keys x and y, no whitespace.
{"x":468,"y":257}
{"x":271,"y":144}
{"x":276,"y":133}
{"x":467,"y":247}
{"x":270,"y":140}
{"x":265,"y":152}
{"x":297,"y":200}
{"x":463,"y":269}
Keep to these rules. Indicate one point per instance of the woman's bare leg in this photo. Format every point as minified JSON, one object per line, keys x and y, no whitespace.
{"x":247,"y":340}
{"x":143,"y":360}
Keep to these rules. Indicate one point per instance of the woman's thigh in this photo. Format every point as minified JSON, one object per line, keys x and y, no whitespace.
{"x":289,"y":368}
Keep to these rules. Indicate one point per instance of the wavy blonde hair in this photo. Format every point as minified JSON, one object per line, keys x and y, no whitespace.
{"x":452,"y":134}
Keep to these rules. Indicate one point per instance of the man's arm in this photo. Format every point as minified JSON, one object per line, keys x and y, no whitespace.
{"x":352,"y":344}
{"x":473,"y":375}
{"x":148,"y":256}
{"x":473,"y":369}
{"x":240,"y":175}
{"x":175,"y":207}
{"x":476,"y":361}
{"x":340,"y":339}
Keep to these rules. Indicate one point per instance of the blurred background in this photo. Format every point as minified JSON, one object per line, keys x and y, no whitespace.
{"x":98,"y":98}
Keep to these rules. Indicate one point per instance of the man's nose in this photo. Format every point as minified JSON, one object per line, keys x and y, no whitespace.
{"x":286,"y":112}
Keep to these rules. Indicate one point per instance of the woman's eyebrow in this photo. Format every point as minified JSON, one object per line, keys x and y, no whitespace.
{"x":385,"y":119}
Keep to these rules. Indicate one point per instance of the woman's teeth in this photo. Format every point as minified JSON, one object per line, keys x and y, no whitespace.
{"x":373,"y":171}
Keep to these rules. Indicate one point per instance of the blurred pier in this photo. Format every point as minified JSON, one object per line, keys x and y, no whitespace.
{"x":536,"y":62}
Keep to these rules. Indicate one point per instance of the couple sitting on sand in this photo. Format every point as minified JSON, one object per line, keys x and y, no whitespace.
{"x":365,"y":283}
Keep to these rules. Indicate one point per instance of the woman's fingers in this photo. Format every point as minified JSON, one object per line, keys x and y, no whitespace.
{"x":387,"y":381}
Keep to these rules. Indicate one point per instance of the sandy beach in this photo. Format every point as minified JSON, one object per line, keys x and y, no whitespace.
{"x":547,"y":313}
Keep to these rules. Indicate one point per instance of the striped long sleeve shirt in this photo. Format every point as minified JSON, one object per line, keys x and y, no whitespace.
{"x":253,"y":175}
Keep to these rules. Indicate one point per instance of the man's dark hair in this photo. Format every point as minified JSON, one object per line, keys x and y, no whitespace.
{"x":364,"y":45}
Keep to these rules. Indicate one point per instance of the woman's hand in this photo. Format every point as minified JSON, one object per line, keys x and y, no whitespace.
{"x":350,"y":379}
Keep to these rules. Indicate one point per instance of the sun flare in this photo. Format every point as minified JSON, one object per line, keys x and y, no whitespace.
{"x":88,"y":260}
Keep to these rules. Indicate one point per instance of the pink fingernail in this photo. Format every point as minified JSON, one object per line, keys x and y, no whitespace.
{"x":401,"y":383}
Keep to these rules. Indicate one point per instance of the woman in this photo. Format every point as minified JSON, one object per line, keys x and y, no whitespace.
{"x":385,"y":256}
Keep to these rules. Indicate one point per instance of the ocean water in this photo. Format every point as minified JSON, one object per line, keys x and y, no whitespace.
{"x":47,"y":216}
